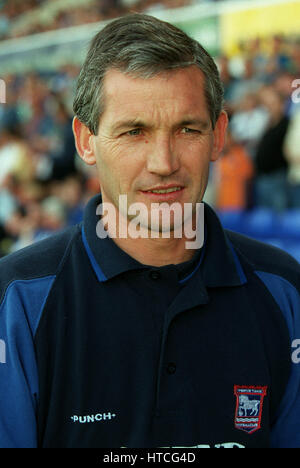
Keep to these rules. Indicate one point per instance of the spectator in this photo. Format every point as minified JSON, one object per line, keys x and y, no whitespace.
{"x":248,"y":83}
{"x":15,"y":157}
{"x":249,"y":110}
{"x":233,"y":174}
{"x":270,"y":162}
{"x":284,"y":86}
{"x":63,"y":159}
{"x":71,"y":193}
{"x":228,"y":80}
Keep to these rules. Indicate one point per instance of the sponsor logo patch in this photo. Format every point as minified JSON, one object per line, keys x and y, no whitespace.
{"x":249,"y":405}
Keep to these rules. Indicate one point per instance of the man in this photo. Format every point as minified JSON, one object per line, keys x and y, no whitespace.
{"x":140,"y":339}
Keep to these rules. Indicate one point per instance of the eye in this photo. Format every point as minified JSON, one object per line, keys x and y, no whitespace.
{"x":134,"y":132}
{"x":189,"y":130}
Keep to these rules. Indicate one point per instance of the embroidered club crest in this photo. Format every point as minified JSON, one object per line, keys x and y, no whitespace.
{"x":249,"y":405}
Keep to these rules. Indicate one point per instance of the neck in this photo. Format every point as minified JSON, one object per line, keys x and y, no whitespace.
{"x":156,"y":248}
{"x":156,"y":252}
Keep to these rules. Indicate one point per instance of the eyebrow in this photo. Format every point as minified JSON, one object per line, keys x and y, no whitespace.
{"x":202,"y":123}
{"x":136,"y":123}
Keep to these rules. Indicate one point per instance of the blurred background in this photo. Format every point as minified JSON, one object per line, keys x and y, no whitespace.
{"x":255,"y":185}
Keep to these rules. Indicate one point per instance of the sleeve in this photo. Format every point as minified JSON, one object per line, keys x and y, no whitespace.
{"x":285,"y":433}
{"x":21,"y":307}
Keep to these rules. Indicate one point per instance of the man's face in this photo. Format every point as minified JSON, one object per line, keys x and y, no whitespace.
{"x":155,"y":135}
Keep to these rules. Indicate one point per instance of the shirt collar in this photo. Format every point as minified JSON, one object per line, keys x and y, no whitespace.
{"x":219,"y":263}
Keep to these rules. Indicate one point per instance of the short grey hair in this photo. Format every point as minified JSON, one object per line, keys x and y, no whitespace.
{"x":141,"y":46}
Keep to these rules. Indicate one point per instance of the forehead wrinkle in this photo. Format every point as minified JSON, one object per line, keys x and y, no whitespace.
{"x":150,"y":100}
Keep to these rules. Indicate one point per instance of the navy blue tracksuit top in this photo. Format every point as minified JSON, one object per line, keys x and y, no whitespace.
{"x":98,"y":350}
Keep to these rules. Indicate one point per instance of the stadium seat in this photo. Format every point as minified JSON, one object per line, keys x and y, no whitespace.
{"x":293,"y":248}
{"x":289,"y":225}
{"x":276,"y":242}
{"x":232,"y":220}
{"x":260,"y":222}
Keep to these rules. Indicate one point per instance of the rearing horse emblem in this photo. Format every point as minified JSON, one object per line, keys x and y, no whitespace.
{"x":249,"y":405}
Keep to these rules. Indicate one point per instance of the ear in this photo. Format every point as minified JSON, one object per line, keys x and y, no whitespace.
{"x":84,"y":142}
{"x":219,"y":135}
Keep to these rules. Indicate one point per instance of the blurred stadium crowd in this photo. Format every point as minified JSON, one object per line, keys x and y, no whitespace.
{"x":43,"y":184}
{"x":13,"y":22}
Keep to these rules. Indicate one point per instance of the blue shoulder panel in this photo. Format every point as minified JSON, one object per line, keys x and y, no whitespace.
{"x":286,"y":430}
{"x":20,"y":312}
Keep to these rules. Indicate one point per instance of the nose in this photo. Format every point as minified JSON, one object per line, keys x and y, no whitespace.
{"x":162,"y":158}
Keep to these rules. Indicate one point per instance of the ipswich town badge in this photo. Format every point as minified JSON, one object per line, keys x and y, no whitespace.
{"x":249,"y":405}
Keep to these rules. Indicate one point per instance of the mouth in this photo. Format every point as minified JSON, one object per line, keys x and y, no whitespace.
{"x":164,"y":189}
{"x":164,"y":192}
